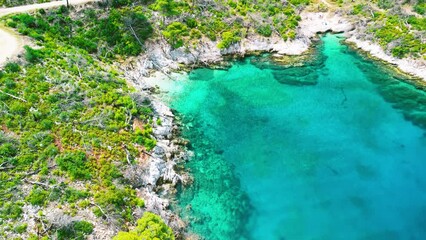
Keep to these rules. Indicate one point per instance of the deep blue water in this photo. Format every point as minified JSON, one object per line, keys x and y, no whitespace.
{"x":332,"y":149}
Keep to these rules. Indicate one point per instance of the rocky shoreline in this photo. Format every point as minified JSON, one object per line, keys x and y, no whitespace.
{"x":158,"y":172}
{"x":161,"y":57}
{"x":413,"y":67}
{"x":160,"y":61}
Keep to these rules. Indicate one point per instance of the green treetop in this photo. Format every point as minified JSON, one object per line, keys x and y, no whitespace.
{"x":150,"y":227}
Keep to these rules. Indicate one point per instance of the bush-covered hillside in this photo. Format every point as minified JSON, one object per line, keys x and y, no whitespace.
{"x":185,"y":23}
{"x":398,"y":26}
{"x":71,"y":126}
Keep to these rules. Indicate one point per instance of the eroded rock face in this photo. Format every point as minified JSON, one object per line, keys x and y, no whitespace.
{"x":313,"y":23}
{"x":155,"y":177}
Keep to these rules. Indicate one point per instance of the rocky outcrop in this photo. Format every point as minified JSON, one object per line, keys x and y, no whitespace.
{"x":157,"y":175}
{"x":416,"y":67}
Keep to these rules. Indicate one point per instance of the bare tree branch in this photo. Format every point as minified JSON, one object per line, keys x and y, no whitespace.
{"x":15,"y":97}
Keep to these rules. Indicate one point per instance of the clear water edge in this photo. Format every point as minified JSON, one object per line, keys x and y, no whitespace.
{"x":333,"y":160}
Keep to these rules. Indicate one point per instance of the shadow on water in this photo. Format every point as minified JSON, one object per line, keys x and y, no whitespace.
{"x":214,"y":203}
{"x":295,"y":72}
{"x":403,"y":92}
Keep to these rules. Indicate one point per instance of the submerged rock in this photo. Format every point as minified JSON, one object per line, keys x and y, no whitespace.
{"x":306,"y":80}
{"x":298,"y":76}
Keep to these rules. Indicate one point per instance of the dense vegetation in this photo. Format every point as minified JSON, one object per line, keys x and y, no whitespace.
{"x":397,"y":31}
{"x":397,"y":36}
{"x":67,"y":133}
{"x":226,"y":21}
{"x":121,"y":32}
{"x":420,"y":7}
{"x":150,"y":226}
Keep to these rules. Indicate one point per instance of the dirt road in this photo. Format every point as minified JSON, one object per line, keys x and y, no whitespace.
{"x":11,"y":43}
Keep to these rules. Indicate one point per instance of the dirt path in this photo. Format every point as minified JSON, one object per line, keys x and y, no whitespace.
{"x":32,"y":7}
{"x":10,"y":42}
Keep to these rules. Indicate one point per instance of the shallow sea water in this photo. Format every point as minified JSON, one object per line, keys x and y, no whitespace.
{"x":333,"y":149}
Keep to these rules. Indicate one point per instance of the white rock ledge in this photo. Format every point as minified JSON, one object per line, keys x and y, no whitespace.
{"x":411,"y":66}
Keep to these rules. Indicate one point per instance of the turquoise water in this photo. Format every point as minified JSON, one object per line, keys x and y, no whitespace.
{"x":332,"y":149}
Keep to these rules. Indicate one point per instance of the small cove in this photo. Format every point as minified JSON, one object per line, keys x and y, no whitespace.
{"x":332,"y":149}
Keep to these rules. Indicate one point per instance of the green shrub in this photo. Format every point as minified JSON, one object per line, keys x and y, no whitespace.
{"x":191,"y":22}
{"x":12,"y":67}
{"x":85,"y":44}
{"x":76,"y":230}
{"x":417,"y":23}
{"x":11,"y":24}
{"x":174,"y":34}
{"x":9,"y":83}
{"x":11,"y":210}
{"x":32,"y":55}
{"x":83,"y":226}
{"x":73,"y":195}
{"x":195,"y":34}
{"x":150,"y":226}
{"x":149,"y":143}
{"x":420,"y":8}
{"x":167,"y":7}
{"x":37,"y":196}
{"x":291,"y":34}
{"x":62,"y":9}
{"x":46,"y":124}
{"x":21,"y":228}
{"x":75,"y":164}
{"x":299,"y":2}
{"x":264,"y":30}
{"x":228,"y":38}
{"x":8,"y":150}
{"x":399,"y":51}
{"x":127,"y":236}
{"x":357,"y":9}
{"x":18,"y":108}
{"x":118,"y":201}
{"x":122,"y":30}
{"x":28,"y":20}
{"x":144,"y":137}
